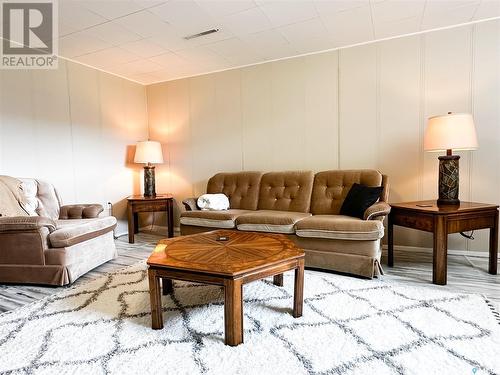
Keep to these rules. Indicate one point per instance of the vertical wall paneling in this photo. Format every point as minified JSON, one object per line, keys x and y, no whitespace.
{"x":357,"y":106}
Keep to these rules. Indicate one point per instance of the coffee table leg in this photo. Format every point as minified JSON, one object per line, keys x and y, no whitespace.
{"x":233,"y":312}
{"x":167,"y":286}
{"x":278,"y":280}
{"x":155,"y":296}
{"x":298,"y":293}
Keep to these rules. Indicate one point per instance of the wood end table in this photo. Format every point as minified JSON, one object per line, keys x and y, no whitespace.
{"x":242,"y":258}
{"x":442,"y":220}
{"x":141,"y":203}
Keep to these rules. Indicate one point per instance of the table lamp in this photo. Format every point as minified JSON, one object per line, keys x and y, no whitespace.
{"x":453,"y":131}
{"x":148,"y":152}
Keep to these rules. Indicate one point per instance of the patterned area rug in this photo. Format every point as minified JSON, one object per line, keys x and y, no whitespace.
{"x":349,"y":326}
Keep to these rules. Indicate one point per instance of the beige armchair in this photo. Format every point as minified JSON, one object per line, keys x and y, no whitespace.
{"x":55,"y":244}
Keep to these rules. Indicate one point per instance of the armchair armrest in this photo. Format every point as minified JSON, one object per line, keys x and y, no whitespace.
{"x":26,"y":223}
{"x":80,"y":211}
{"x":190,"y":204}
{"x":376,"y":210}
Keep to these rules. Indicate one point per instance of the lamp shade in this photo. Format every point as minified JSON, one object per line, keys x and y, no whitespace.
{"x":454,"y":131}
{"x":148,"y":152}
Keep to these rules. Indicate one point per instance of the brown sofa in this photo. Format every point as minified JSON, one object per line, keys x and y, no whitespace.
{"x":52,"y":244}
{"x":305,"y":207}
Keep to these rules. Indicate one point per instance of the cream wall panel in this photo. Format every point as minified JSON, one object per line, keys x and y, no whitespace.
{"x":180,"y":142}
{"x":447,"y":88}
{"x":288,"y":115}
{"x":83,"y":88}
{"x":399,"y":109}
{"x":256,"y":112}
{"x":358,"y":107}
{"x":203,"y":130}
{"x":18,"y":136}
{"x":321,"y":112}
{"x":485,"y":177}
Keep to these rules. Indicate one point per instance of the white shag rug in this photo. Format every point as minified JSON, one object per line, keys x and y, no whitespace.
{"x":349,"y":326}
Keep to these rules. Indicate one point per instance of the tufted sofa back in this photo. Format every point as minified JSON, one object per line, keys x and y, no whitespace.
{"x":242,"y":188}
{"x":331,"y":187}
{"x":286,"y":191}
{"x":41,"y":198}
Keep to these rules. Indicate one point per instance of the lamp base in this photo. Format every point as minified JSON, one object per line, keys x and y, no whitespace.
{"x":448,"y":180}
{"x":149,"y":181}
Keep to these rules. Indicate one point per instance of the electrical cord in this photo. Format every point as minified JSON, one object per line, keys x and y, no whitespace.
{"x":468,"y":236}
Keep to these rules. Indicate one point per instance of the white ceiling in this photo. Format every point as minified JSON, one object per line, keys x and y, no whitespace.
{"x":142,"y":40}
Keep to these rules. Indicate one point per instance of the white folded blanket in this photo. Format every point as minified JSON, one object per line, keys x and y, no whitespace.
{"x":214,"y":202}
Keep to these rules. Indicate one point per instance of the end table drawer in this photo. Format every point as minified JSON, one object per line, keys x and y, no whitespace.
{"x":421,"y":222}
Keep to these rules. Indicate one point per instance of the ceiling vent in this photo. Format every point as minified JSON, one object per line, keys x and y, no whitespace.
{"x":201,"y":34}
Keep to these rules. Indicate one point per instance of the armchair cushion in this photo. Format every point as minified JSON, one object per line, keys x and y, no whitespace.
{"x":376,"y":210}
{"x":80,"y":211}
{"x":26,"y":223}
{"x":71,"y":232}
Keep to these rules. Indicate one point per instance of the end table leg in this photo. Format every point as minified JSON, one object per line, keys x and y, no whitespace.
{"x":390,"y":242}
{"x":131,"y":225}
{"x":170,"y":219}
{"x":298,"y":292}
{"x":492,"y":269}
{"x":167,"y":286}
{"x":155,"y":296}
{"x":440,"y":251}
{"x":278,"y":280}
{"x":233,"y":312}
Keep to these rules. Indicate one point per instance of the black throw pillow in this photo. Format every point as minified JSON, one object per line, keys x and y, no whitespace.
{"x":359,"y":198}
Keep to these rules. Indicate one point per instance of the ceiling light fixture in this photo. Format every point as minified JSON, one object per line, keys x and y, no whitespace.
{"x":201,"y":34}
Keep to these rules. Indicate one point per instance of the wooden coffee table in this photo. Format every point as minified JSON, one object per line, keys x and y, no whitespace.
{"x":242,"y":258}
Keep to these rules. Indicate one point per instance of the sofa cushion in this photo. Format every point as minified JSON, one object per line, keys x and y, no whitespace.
{"x":270,"y":221}
{"x":71,"y":232}
{"x":331,"y":187}
{"x":339,"y":227}
{"x":212,"y":219}
{"x":242,"y":188}
{"x":286,"y":191}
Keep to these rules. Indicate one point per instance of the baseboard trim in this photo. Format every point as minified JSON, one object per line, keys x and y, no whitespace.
{"x":477,"y":254}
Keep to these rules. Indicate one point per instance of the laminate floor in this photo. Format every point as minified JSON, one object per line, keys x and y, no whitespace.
{"x":465,"y":273}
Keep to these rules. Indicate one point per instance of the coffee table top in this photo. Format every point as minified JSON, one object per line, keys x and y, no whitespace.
{"x":241,"y":253}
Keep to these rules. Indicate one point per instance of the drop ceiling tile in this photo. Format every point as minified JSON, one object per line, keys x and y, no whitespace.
{"x":136,"y":67}
{"x":77,"y":17}
{"x":283,"y":13}
{"x":145,"y":24}
{"x":80,"y":43}
{"x":144,"y":48}
{"x":113,"y":33}
{"x":201,"y":54}
{"x":395,"y":10}
{"x":307,"y":36}
{"x":350,"y":26}
{"x":220,"y":8}
{"x":328,"y":7}
{"x":185,"y":16}
{"x":401,"y":27}
{"x":107,"y":58}
{"x":112,"y":9}
{"x":445,"y":13}
{"x":169,"y":60}
{"x":269,"y":44}
{"x":246,"y":22}
{"x":487,"y":9}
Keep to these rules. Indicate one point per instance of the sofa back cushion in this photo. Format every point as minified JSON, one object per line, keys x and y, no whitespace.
{"x":242,"y":188}
{"x":41,"y":198}
{"x":286,"y":191}
{"x":331,"y":187}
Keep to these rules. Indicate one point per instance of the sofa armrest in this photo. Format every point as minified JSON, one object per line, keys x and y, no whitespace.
{"x":376,"y":210}
{"x":26,"y":223}
{"x":190,"y":204}
{"x":80,"y":211}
